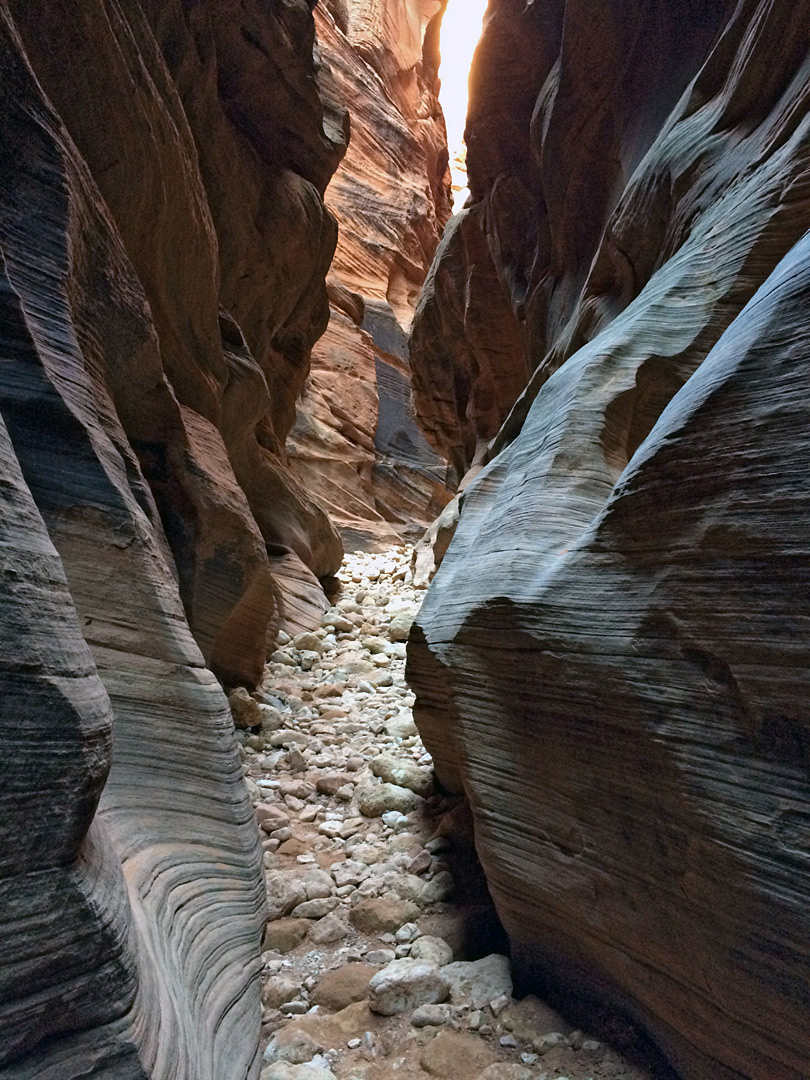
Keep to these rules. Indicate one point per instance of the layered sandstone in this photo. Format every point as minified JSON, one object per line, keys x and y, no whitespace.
{"x":163,"y":252}
{"x":613,"y":658}
{"x":356,"y":443}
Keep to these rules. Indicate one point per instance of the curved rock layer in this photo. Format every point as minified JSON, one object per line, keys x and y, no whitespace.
{"x":356,"y":444}
{"x":163,"y":250}
{"x":613,"y":658}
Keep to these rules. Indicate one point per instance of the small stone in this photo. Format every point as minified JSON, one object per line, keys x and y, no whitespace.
{"x":328,"y":930}
{"x":432,"y":1015}
{"x":382,"y":678}
{"x":245,"y":710}
{"x":382,"y":914}
{"x":329,"y":690}
{"x":438,"y":888}
{"x":404,"y":985}
{"x":530,"y":1019}
{"x":297,"y":1007}
{"x":298,"y":763}
{"x":380,"y":957}
{"x":453,"y":1054}
{"x":477,"y":982}
{"x":284,"y":935}
{"x":308,"y":642}
{"x":433,"y":950}
{"x":421,"y":863}
{"x":353,"y":1043}
{"x":378,"y":799}
{"x":284,"y":891}
{"x":403,"y":773}
{"x":543,"y":1043}
{"x":350,"y":872}
{"x":282,"y":1070}
{"x":292,"y":1045}
{"x":329,"y":783}
{"x":400,"y":626}
{"x":503,"y":1071}
{"x":272,"y":719}
{"x":499,"y":1004}
{"x":288,"y":737}
{"x":278,"y":989}
{"x":296,"y":789}
{"x":343,"y":986}
{"x":508,"y":1041}
{"x":317,"y":883}
{"x":374,"y":645}
{"x":400,"y":726}
{"x":315,"y":909}
{"x":271,"y":817}
{"x":407,"y":932}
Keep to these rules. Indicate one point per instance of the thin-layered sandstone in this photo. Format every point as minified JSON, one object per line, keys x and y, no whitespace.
{"x":163,"y":252}
{"x":613,"y":658}
{"x":356,"y":443}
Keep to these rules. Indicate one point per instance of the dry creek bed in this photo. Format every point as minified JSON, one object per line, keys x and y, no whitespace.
{"x":371,"y":966}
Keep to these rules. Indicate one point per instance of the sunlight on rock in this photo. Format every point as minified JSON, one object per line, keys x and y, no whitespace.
{"x":461,"y":30}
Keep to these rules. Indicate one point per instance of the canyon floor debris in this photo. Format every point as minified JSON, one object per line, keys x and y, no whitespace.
{"x":372,"y":963}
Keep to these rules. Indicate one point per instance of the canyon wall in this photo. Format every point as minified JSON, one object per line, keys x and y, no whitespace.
{"x":356,"y":444}
{"x":613,"y":660}
{"x":163,"y":252}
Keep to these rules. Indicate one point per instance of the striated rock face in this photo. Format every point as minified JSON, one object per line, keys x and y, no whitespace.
{"x":613,"y":658}
{"x":163,"y":249}
{"x":356,"y":443}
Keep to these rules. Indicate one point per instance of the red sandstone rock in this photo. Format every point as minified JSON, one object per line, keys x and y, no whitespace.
{"x":612,"y":660}
{"x":356,"y":444}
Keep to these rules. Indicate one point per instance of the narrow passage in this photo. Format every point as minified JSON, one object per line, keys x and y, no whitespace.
{"x":381,"y":955}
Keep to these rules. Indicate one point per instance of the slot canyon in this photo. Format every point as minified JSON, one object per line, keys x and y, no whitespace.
{"x":404,"y":606}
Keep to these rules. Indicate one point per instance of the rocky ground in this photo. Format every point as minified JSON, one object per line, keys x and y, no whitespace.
{"x":380,"y":955}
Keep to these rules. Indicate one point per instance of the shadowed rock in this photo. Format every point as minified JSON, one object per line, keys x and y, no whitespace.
{"x":612,"y":659}
{"x":163,"y":248}
{"x":356,"y":443}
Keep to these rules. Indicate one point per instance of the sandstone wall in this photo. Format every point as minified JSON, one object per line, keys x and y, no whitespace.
{"x":163,"y":252}
{"x":356,"y":443}
{"x":613,"y":658}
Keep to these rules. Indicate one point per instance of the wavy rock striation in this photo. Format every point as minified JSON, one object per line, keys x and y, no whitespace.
{"x":613,"y":658}
{"x":163,"y":250}
{"x":356,"y":443}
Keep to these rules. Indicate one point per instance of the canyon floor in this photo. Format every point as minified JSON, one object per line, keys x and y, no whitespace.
{"x":383,"y":955}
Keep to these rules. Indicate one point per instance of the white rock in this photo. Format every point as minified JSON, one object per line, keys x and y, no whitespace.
{"x":477,"y":982}
{"x":404,"y":985}
{"x":433,"y":950}
{"x":282,"y":1070}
